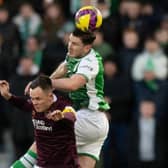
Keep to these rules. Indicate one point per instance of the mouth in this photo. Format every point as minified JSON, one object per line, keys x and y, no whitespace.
{"x":69,"y":52}
{"x":36,"y":107}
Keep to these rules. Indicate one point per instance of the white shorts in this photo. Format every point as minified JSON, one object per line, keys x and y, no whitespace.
{"x":91,"y":129}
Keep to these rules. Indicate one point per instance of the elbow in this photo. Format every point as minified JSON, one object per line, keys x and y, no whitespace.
{"x":73,"y":87}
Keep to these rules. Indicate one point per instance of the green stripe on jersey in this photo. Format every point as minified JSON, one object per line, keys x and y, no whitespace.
{"x":91,"y":95}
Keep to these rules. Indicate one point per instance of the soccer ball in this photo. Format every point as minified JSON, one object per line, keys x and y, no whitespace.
{"x":88,"y":18}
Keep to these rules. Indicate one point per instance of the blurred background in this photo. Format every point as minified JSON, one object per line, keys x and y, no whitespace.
{"x":133,"y":42}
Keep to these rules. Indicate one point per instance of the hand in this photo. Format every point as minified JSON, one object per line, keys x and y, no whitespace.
{"x":4,"y":82}
{"x":149,"y":75}
{"x":107,"y":99}
{"x":4,"y":89}
{"x":55,"y":115}
{"x":27,"y":88}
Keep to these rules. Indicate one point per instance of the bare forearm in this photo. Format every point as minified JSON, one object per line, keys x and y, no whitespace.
{"x":64,"y":84}
{"x":59,"y":72}
{"x":69,"y":84}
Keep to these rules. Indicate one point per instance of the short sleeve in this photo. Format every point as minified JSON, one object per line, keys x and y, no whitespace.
{"x":88,"y":68}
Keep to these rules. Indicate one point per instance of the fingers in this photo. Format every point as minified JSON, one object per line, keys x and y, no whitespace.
{"x":4,"y":89}
{"x":55,"y":115}
{"x":4,"y":85}
{"x":4,"y":82}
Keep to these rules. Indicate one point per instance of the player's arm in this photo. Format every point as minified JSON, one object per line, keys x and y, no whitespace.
{"x":73,"y":83}
{"x":4,"y":90}
{"x":17,"y":101}
{"x":68,"y":113}
{"x":86,"y":70}
{"x":60,"y":71}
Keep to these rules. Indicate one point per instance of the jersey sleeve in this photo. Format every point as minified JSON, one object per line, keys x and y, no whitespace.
{"x":21,"y":103}
{"x":88,"y":68}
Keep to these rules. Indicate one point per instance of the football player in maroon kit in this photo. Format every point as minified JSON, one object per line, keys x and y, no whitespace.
{"x":54,"y":132}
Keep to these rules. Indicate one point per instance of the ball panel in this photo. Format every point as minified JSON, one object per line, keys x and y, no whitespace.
{"x":83,"y":22}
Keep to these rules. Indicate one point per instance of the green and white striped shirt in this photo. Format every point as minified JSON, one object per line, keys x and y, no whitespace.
{"x":90,"y":95}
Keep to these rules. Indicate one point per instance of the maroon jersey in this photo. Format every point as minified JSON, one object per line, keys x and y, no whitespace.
{"x":55,"y":140}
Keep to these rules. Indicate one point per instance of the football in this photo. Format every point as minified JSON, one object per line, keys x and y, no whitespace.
{"x":88,"y":18}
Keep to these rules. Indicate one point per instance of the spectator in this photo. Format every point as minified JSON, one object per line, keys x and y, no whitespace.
{"x":129,"y":51}
{"x":28,"y":22}
{"x":151,"y":15}
{"x":162,"y":37}
{"x":56,"y":30}
{"x":110,"y":25}
{"x":164,"y":22}
{"x":117,"y":91}
{"x":9,"y":53}
{"x":149,"y":73}
{"x":147,"y":140}
{"x":21,"y":124}
{"x":55,"y":23}
{"x":102,"y":46}
{"x":54,"y":54}
{"x":34,"y":50}
{"x":150,"y":65}
{"x":133,"y":18}
{"x":9,"y":44}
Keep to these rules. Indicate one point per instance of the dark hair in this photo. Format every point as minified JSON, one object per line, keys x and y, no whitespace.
{"x":42,"y":81}
{"x":150,"y":38}
{"x":147,"y":99}
{"x":26,"y":3}
{"x":37,"y":39}
{"x":86,"y":37}
{"x":129,"y":30}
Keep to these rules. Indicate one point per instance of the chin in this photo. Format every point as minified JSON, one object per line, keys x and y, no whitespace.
{"x":71,"y":55}
{"x":38,"y":110}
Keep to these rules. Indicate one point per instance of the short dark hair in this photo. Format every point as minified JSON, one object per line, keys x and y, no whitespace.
{"x":86,"y":37}
{"x":42,"y":81}
{"x":147,"y":100}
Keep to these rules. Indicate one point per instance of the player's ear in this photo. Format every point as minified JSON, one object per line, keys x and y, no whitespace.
{"x":50,"y":95}
{"x":87,"y":47}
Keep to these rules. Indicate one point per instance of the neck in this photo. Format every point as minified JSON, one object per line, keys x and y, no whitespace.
{"x":86,"y":53}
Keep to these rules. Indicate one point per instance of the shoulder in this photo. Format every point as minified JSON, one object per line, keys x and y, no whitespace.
{"x":91,"y":56}
{"x":61,"y":102}
{"x":141,"y":57}
{"x":91,"y":59}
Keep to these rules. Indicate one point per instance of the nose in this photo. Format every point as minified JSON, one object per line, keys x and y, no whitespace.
{"x":34,"y":102}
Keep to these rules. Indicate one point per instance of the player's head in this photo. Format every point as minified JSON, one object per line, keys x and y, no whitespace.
{"x":80,"y":43}
{"x":41,"y":93}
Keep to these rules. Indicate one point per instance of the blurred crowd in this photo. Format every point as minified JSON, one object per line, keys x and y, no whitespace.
{"x":133,"y":42}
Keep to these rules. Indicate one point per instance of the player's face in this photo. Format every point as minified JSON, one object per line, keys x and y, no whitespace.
{"x":41,"y":100}
{"x":75,"y":47}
